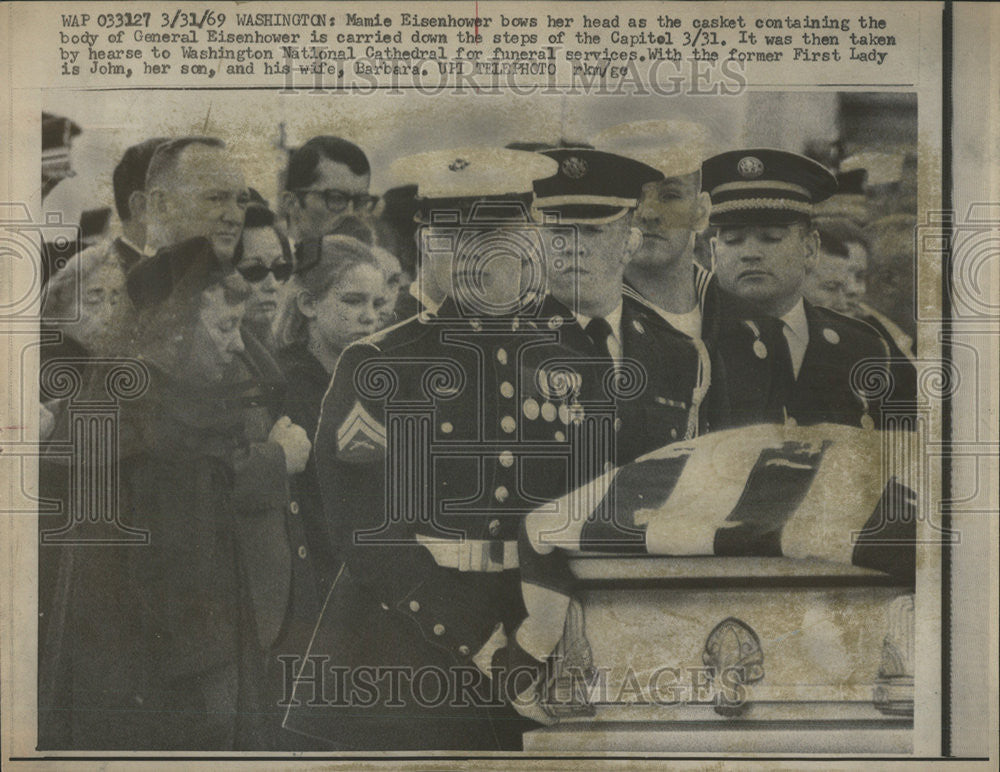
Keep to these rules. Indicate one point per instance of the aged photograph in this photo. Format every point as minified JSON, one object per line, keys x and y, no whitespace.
{"x":504,"y":384}
{"x":482,"y":422}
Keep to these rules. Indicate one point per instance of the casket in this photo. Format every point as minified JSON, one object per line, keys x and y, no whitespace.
{"x":732,"y":655}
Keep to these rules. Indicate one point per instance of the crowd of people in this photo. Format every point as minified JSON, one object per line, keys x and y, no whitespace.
{"x":354,"y":400}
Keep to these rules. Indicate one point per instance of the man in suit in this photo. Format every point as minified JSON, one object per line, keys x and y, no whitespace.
{"x":785,"y":359}
{"x":662,"y":374}
{"x":327,"y":180}
{"x":129,"y":183}
{"x":436,"y":437}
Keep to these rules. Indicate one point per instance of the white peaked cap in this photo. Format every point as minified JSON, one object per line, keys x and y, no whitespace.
{"x":472,"y":172}
{"x":675,"y":148}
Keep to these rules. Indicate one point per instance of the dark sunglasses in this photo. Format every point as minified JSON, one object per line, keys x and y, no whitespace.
{"x":338,"y":200}
{"x":255,"y":273}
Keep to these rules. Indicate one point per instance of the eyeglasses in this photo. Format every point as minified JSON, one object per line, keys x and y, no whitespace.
{"x":257,"y":273}
{"x":338,"y":200}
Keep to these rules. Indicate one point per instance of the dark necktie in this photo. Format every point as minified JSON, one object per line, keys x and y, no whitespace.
{"x":598,"y":330}
{"x":782,"y":372}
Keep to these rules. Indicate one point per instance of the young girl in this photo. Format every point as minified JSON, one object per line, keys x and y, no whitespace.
{"x":334,"y":299}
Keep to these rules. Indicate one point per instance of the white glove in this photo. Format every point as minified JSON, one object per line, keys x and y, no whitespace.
{"x":294,"y":441}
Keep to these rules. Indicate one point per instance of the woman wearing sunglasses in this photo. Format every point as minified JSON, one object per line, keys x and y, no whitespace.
{"x":264,"y":259}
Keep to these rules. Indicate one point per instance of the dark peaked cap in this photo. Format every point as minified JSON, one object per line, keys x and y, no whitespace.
{"x":190,"y":266}
{"x":592,"y":185}
{"x":764,"y":186}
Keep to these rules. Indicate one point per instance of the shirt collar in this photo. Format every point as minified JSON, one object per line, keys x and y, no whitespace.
{"x":131,"y":245}
{"x":795,"y":321}
{"x":614,"y":319}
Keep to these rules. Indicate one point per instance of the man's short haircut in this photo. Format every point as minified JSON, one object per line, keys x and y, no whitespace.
{"x":166,"y":156}
{"x":302,"y":162}
{"x":130,"y":173}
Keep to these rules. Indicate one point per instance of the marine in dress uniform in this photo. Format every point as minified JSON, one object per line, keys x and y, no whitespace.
{"x":662,"y":373}
{"x":782,"y":358}
{"x":436,"y":437}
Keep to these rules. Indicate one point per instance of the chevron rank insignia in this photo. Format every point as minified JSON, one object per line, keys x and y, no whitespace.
{"x":361,"y":436}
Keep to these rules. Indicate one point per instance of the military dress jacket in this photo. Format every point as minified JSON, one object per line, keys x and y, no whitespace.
{"x":841,"y":380}
{"x":663,"y":377}
{"x":435,"y":438}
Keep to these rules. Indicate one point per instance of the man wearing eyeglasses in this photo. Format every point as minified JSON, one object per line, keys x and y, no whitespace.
{"x":327,"y":180}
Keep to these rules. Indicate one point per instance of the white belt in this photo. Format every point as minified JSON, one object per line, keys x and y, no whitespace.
{"x":468,"y":554}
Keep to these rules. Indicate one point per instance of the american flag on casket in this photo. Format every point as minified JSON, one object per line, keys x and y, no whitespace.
{"x":825,"y":492}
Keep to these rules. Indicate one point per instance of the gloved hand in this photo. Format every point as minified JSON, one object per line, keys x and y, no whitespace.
{"x":294,"y":441}
{"x":522,"y":678}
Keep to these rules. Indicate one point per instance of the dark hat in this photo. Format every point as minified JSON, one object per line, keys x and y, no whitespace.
{"x":191,"y":265}
{"x":852,"y":182}
{"x":592,"y":185}
{"x":764,"y":186}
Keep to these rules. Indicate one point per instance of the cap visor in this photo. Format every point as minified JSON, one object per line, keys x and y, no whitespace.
{"x":746,"y":217}
{"x":592,"y":214}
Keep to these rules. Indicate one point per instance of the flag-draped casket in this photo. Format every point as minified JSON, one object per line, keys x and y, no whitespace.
{"x":751,"y":589}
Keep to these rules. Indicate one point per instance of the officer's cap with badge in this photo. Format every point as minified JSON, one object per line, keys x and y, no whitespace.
{"x":455,"y":180}
{"x":675,"y":148}
{"x":183,"y":269}
{"x":763,"y":186}
{"x":591,"y":186}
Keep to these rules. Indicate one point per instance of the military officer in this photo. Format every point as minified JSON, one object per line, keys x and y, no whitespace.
{"x":436,"y":437}
{"x":784,"y":358}
{"x":661,"y":373}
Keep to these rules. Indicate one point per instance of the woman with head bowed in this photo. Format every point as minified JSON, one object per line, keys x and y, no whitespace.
{"x":165,"y":644}
{"x":334,"y":299}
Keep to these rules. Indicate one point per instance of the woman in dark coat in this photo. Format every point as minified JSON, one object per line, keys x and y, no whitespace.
{"x":164,"y":645}
{"x":334,"y":298}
